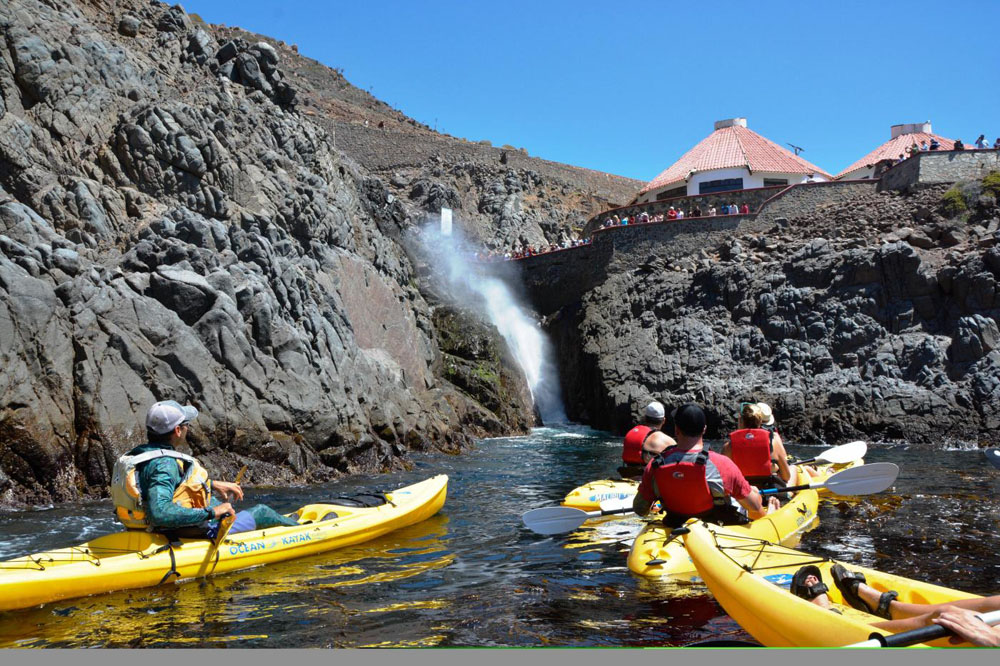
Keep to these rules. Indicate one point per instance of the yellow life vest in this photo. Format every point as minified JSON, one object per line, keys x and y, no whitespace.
{"x":193,"y":492}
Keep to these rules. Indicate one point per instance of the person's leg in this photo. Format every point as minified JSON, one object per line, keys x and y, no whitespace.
{"x":900,"y":609}
{"x":264,"y":516}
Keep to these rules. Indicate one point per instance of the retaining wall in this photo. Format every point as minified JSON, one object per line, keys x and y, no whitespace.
{"x":940,"y":166}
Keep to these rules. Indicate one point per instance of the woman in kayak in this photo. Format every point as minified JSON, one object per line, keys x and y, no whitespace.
{"x":759,"y":452}
{"x":958,"y":616}
{"x":157,"y":488}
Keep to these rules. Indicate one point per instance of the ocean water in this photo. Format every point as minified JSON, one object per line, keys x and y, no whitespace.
{"x":474,"y":576}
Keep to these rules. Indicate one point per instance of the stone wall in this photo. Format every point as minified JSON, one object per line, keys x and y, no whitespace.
{"x":554,"y":280}
{"x":754,"y":198}
{"x":947,"y":166}
{"x":806,"y":198}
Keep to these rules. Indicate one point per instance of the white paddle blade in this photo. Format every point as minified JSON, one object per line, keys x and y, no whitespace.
{"x":863,"y":480}
{"x":844,"y":453}
{"x":617,"y":504}
{"x":993,"y":455}
{"x":556,"y":519}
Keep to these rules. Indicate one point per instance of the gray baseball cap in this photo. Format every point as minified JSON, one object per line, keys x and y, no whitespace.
{"x":166,"y":415}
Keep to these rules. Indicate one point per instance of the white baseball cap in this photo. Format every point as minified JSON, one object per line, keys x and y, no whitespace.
{"x":655,"y":410}
{"x":164,"y":416}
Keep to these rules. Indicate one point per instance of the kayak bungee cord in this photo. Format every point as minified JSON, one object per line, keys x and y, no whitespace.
{"x":760,"y":547}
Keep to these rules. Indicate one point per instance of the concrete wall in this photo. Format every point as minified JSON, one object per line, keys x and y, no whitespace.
{"x":941,"y":166}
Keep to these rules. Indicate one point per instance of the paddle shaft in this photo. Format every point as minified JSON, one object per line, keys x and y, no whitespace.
{"x":922,"y":635}
{"x":227,"y":520}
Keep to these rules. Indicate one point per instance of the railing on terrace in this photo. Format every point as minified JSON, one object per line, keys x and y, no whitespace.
{"x":779,"y":191}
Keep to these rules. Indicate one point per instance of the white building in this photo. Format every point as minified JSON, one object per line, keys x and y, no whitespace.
{"x":730,"y":158}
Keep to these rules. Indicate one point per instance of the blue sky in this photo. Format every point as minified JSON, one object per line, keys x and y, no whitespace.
{"x":628,"y":87}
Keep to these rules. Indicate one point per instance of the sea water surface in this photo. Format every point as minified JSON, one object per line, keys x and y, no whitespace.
{"x":474,"y":576}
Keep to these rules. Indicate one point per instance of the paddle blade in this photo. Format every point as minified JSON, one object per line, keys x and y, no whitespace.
{"x":556,"y":519}
{"x":224,"y":526}
{"x":863,"y":480}
{"x":844,"y":453}
{"x":993,"y":455}
{"x":617,"y":505}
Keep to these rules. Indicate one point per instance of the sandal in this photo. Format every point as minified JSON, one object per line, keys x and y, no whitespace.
{"x":847,"y":582}
{"x":798,"y":586}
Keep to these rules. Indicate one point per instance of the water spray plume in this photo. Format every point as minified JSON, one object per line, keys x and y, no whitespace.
{"x":452,"y":258}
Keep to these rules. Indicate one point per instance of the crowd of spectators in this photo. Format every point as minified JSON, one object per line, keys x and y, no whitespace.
{"x":522,"y":252}
{"x":981,"y":144}
{"x":675,"y":213}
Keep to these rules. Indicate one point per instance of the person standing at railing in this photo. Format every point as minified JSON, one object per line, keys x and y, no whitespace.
{"x":671,"y":214}
{"x":935,"y":144}
{"x":958,"y":145}
{"x":711,"y":211}
{"x":680,"y":213}
{"x":981,"y":142}
{"x":744,"y":209}
{"x":996,"y":144}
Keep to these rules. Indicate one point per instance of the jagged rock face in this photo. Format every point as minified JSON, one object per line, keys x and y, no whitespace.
{"x":171,"y":228}
{"x":837,"y":318}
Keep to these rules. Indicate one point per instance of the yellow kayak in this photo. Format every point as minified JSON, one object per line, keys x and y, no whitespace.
{"x":141,"y":559}
{"x":655,"y":554}
{"x":589,"y":496}
{"x":749,"y":578}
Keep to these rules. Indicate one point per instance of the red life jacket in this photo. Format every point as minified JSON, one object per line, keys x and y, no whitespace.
{"x":751,"y":449}
{"x":681,"y":484}
{"x":634,"y":439}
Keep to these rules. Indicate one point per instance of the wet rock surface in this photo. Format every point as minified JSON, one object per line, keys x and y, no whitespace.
{"x":875,"y":317}
{"x":172,"y":227}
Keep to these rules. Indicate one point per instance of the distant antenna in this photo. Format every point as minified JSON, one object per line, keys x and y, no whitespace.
{"x":446,"y":221}
{"x":798,"y":149}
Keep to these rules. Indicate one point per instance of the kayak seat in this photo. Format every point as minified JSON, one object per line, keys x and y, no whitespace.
{"x":361,"y":500}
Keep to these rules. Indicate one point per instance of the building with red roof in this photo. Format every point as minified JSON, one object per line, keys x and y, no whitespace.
{"x":730,"y":158}
{"x":901,"y":138}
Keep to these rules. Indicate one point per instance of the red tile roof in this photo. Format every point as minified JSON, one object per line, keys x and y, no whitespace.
{"x":729,"y":147}
{"x":893,"y":148}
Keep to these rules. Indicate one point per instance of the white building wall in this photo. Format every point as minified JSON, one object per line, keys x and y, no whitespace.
{"x":750,"y":180}
{"x":858,"y":174}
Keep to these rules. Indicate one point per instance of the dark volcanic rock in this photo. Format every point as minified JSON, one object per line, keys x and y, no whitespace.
{"x":170,"y":227}
{"x":845,"y":325}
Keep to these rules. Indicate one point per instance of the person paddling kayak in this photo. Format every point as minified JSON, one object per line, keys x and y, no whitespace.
{"x":958,"y":616}
{"x":691,"y":482}
{"x":159,"y":489}
{"x":759,"y":451}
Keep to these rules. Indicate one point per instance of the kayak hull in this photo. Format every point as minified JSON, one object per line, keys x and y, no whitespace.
{"x":134,"y":559}
{"x":589,"y":496}
{"x":655,"y":554}
{"x":751,"y":583}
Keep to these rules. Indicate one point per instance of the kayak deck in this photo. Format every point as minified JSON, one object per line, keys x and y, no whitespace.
{"x":750,"y":578}
{"x":654,"y":553}
{"x":133,"y":559}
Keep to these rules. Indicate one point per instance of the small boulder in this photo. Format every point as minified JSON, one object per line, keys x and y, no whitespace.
{"x":128,"y":25}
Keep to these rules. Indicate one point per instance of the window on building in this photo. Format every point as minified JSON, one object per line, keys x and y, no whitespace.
{"x":771,"y":182}
{"x":724,"y":185}
{"x":672,"y":194}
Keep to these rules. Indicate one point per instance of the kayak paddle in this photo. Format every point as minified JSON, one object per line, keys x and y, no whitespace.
{"x":226,"y":522}
{"x":993,"y":455}
{"x":839,"y":455}
{"x":864,"y":480}
{"x":921,"y":635}
{"x":560,"y":519}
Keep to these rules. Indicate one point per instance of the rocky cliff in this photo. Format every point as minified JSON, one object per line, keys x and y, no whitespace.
{"x":873,"y":316}
{"x":176,"y":221}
